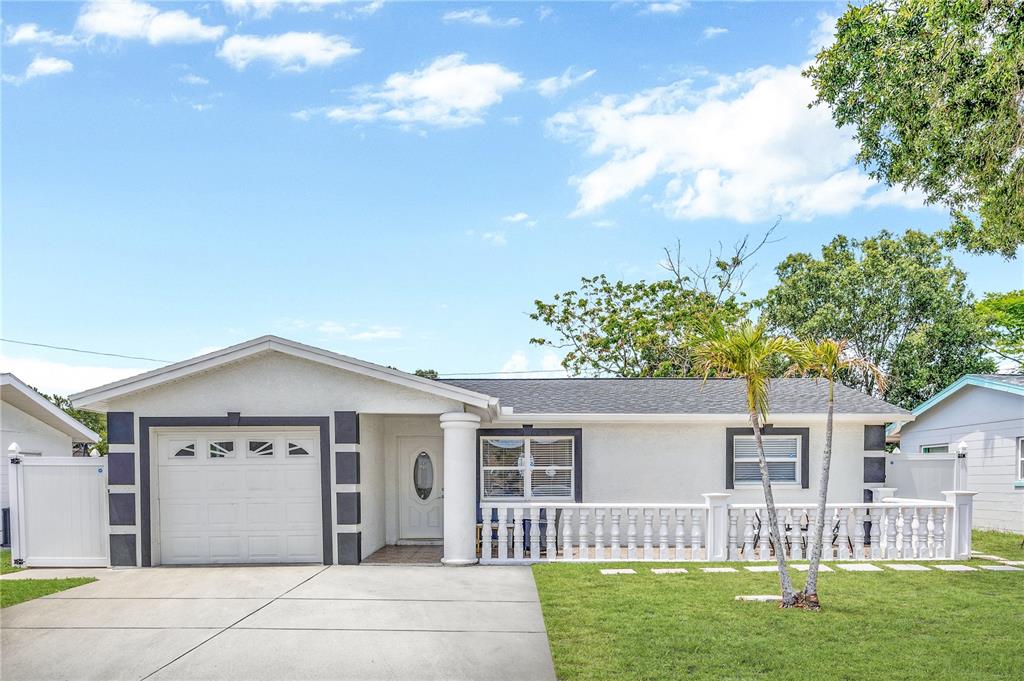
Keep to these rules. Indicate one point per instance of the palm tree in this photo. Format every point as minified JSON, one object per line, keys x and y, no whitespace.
{"x":827,"y":359}
{"x":747,"y":351}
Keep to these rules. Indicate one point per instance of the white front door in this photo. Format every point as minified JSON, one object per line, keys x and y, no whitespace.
{"x":239,"y":496}
{"x":420,"y":488}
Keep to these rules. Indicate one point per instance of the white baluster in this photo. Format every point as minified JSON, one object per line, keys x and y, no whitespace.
{"x":502,"y":533}
{"x":796,"y":548}
{"x":696,"y":530}
{"x":631,"y":534}
{"x":616,"y":522}
{"x":551,"y":541}
{"x":844,"y":534}
{"x":891,"y":516}
{"x":567,"y":534}
{"x":485,"y":533}
{"x":876,"y":532}
{"x":858,"y":534}
{"x":908,"y":533}
{"x":681,"y":534}
{"x":748,"y":535}
{"x":648,"y":534}
{"x":939,"y":531}
{"x":763,"y":551}
{"x":599,"y":533}
{"x":584,"y":549}
{"x":517,"y":533}
{"x":534,"y":533}
{"x":921,"y":551}
{"x":663,"y":534}
{"x":733,"y":535}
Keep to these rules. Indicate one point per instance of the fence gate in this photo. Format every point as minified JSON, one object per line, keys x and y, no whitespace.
{"x":59,"y":511}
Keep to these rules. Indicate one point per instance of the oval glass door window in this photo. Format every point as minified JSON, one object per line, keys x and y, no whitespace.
{"x":423,"y":475}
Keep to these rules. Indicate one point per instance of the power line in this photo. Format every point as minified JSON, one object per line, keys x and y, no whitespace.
{"x":84,"y":352}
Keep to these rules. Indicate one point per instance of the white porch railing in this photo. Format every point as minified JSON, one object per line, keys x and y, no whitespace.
{"x":894,"y":529}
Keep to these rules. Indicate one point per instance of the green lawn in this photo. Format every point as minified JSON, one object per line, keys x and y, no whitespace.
{"x":902,"y":625}
{"x":1003,"y":544}
{"x":14,"y":591}
{"x":5,"y":562}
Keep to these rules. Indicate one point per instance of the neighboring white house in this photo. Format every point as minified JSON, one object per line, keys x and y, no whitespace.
{"x":969,"y":436}
{"x":36,"y":425}
{"x":275,"y":451}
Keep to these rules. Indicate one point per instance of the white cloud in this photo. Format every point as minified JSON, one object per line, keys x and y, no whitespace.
{"x":495,"y":238}
{"x":356,"y":332}
{"x":824,"y":33}
{"x":26,"y":34}
{"x":370,"y":8}
{"x":516,"y":217}
{"x":544,"y":12}
{"x":63,"y":379}
{"x":41,"y":66}
{"x":377,"y":333}
{"x":202,"y":107}
{"x":193,"y":79}
{"x":714,"y":31}
{"x":289,"y":51}
{"x":670,"y":7}
{"x":745,"y":147}
{"x":480,"y":16}
{"x":140,"y":21}
{"x":261,"y":9}
{"x":556,"y":85}
{"x":519,"y":363}
{"x":447,"y":93}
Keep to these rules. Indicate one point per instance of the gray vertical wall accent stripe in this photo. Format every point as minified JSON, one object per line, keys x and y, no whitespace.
{"x":122,"y":550}
{"x":874,"y":469}
{"x":346,"y":468}
{"x":120,"y":428}
{"x":121,"y":468}
{"x":346,"y":428}
{"x":349,"y":512}
{"x":232,"y":420}
{"x":350,"y":548}
{"x":874,"y":438}
{"x":121,"y":506}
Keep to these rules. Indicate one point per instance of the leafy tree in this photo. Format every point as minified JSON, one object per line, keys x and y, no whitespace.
{"x":90,"y":419}
{"x":899,"y":301}
{"x":645,"y":329}
{"x":747,"y":351}
{"x":934,"y":90}
{"x":827,"y":359}
{"x":1004,"y":315}
{"x":426,"y":373}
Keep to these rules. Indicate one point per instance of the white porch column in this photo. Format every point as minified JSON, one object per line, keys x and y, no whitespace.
{"x":459,"y":487}
{"x":958,"y":532}
{"x":717,"y":533}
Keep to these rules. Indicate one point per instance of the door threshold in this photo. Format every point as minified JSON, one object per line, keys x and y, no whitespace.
{"x":419,"y":542}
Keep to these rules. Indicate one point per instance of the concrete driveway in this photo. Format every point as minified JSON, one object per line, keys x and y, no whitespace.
{"x":283,"y":622}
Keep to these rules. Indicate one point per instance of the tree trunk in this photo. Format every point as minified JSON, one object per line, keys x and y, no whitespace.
{"x":810,"y":593}
{"x":789,"y":598}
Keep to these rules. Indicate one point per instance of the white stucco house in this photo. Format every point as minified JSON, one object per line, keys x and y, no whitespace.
{"x":37,"y":426}
{"x":969,"y":436}
{"x":276,"y":451}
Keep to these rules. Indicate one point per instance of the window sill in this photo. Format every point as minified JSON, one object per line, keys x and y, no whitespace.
{"x":1019,"y":484}
{"x":758,"y":485}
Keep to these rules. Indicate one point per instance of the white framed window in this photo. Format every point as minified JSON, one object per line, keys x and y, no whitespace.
{"x":782,"y":452}
{"x":1020,"y":458}
{"x":300,"y":447}
{"x":221,"y":449}
{"x":182,"y":449}
{"x":530,"y":467}
{"x":259,"y":448}
{"x":935,"y":449}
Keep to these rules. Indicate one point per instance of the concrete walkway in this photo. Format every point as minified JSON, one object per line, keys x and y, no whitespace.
{"x":283,"y":622}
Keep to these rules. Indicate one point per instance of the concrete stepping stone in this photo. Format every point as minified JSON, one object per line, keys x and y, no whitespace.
{"x":618,"y":571}
{"x":761,"y":568}
{"x":669,"y":571}
{"x":804,"y":567}
{"x":760,"y":598}
{"x":1014,"y":562}
{"x":720,"y":569}
{"x":985,"y":556}
{"x":1001,"y":568}
{"x":859,"y":567}
{"x":906,"y":567}
{"x":955,"y":568}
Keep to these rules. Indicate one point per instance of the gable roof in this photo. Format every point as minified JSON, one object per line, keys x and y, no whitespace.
{"x":20,"y":395}
{"x":670,"y":396}
{"x":96,"y":398}
{"x":1011,"y":383}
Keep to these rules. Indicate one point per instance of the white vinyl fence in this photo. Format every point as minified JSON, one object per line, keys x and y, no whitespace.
{"x":894,"y":529}
{"x":59,"y":512}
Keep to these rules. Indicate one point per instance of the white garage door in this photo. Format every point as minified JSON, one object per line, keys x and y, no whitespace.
{"x":239,"y":496}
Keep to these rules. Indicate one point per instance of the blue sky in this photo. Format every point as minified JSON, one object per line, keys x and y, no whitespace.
{"x":397,"y":181}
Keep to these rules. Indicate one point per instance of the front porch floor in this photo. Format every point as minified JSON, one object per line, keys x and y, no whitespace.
{"x":406,"y":555}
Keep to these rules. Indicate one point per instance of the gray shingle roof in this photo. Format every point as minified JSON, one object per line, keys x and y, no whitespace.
{"x":1010,"y":379}
{"x":667,"y":396}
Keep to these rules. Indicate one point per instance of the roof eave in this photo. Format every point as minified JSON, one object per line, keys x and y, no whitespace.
{"x":49,"y":413}
{"x":510,"y":416}
{"x":970,"y":379}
